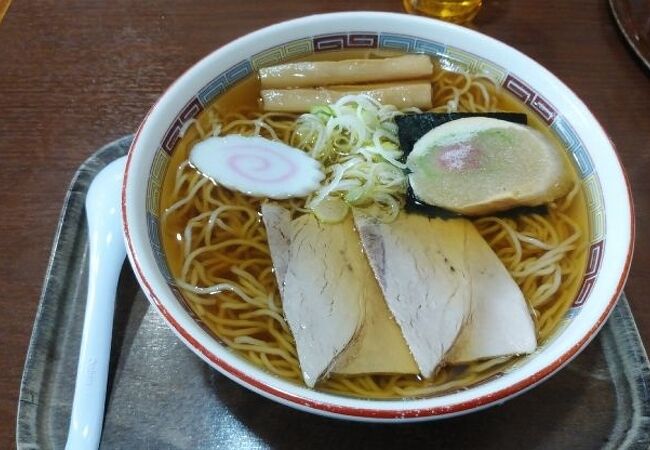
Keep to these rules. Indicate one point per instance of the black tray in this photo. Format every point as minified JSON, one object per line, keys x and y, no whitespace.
{"x":161,"y":396}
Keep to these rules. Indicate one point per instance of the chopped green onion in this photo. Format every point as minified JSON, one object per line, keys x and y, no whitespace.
{"x":355,"y":139}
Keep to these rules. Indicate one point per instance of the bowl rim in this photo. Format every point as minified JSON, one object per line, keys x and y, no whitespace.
{"x":344,"y":407}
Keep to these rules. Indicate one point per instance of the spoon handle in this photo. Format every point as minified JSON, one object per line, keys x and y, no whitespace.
{"x":106,"y":256}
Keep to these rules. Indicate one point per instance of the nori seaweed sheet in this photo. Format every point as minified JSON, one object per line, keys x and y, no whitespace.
{"x":411,"y":127}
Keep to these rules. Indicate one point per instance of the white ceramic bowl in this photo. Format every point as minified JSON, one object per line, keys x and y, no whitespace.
{"x":610,"y":206}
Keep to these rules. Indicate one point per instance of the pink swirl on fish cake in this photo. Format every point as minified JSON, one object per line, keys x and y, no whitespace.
{"x":248,"y":152}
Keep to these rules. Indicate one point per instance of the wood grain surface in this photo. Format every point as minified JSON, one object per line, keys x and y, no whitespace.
{"x":75,"y":75}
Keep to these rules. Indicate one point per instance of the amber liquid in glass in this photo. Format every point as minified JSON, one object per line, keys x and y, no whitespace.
{"x":457,"y":11}
{"x":4,"y":6}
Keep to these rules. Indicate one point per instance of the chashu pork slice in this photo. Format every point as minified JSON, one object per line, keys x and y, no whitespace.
{"x":500,"y":323}
{"x":321,"y":298}
{"x":420,"y":265}
{"x":379,"y":346}
{"x":277,"y":221}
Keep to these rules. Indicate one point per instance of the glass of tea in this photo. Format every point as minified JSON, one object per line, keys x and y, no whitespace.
{"x":458,"y":11}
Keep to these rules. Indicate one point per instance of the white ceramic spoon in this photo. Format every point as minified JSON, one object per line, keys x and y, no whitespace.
{"x":107,"y":253}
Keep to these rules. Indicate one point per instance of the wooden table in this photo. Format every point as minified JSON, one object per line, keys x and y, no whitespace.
{"x":76,"y":74}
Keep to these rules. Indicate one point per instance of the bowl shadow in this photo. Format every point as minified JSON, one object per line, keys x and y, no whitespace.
{"x":541,"y":418}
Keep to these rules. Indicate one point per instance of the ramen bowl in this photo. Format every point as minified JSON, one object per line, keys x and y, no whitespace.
{"x":601,"y":177}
